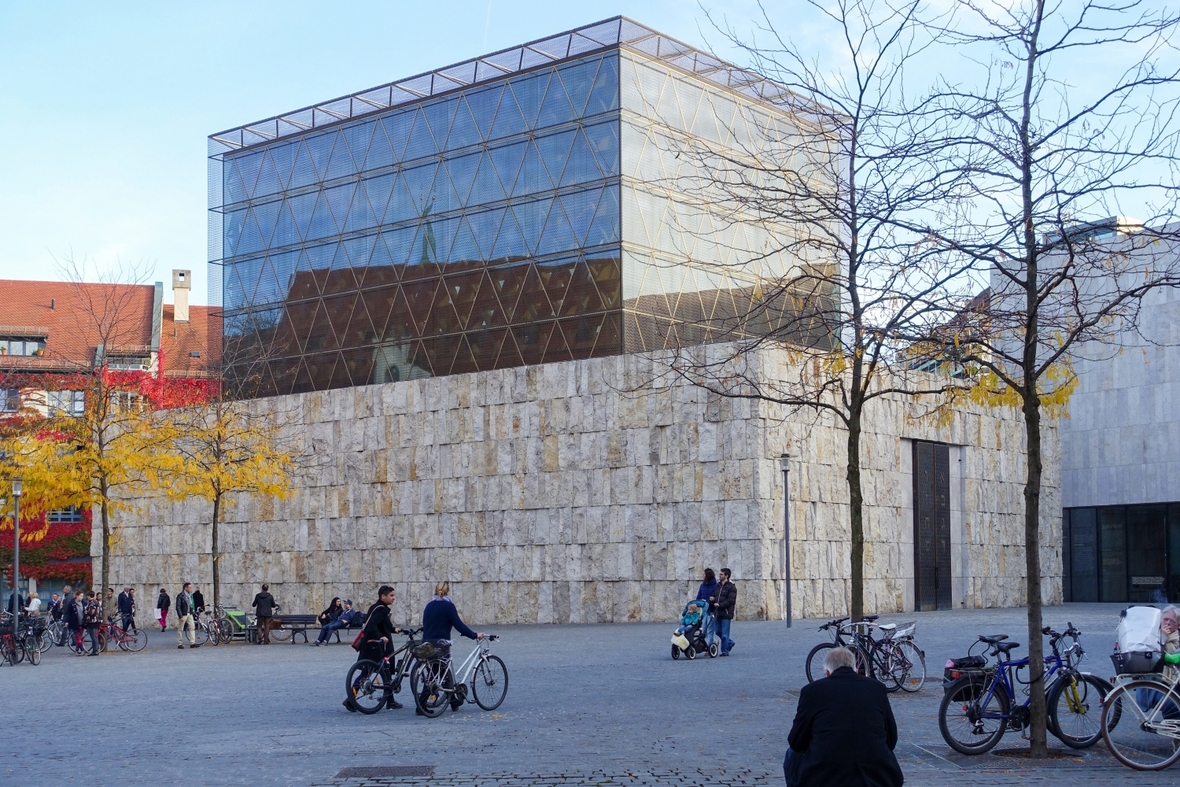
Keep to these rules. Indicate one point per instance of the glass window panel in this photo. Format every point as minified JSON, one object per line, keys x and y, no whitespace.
{"x":378,"y":190}
{"x":420,"y":142}
{"x":604,"y":95}
{"x":361,"y":215}
{"x":554,"y":150}
{"x":603,"y":139}
{"x":284,"y":265}
{"x":420,"y":184}
{"x":533,"y":176}
{"x":582,"y":166}
{"x":486,"y":187}
{"x":400,"y":243}
{"x":464,"y":248}
{"x":579,"y":209}
{"x":510,"y":243}
{"x":234,"y":190}
{"x":557,"y":235}
{"x":359,"y":251}
{"x":268,"y":179}
{"x":266,"y":214}
{"x":232,"y":229}
{"x":440,"y":234}
{"x":250,"y":240}
{"x":401,"y":204}
{"x":704,"y":124}
{"x":268,"y":286}
{"x":339,"y":199}
{"x":248,"y":272}
{"x":482,"y":104}
{"x":248,"y":166}
{"x":484,"y":226}
{"x":381,"y":263}
{"x":1113,"y":540}
{"x":509,"y":120}
{"x":556,"y":108}
{"x":529,"y":93}
{"x":578,"y":79}
{"x":357,"y":138}
{"x":531,"y":218}
{"x":321,"y":224}
{"x":397,"y":130}
{"x":302,"y":206}
{"x":380,"y":153}
{"x":462,"y":171}
{"x":605,"y":226}
{"x":319,"y":146}
{"x":340,"y":164}
{"x":507,"y":160}
{"x":286,"y":233}
{"x":438,"y":117}
{"x":303,"y":172}
{"x":534,"y":301}
{"x":486,"y":311}
{"x":464,"y":130}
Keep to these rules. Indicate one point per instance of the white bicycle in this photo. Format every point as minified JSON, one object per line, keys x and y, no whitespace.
{"x":1141,"y":721}
{"x":436,"y":683}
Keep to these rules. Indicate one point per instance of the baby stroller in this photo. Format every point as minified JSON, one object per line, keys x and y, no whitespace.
{"x":689,"y":637}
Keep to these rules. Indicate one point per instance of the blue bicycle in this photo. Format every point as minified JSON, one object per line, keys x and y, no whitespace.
{"x":979,"y":707}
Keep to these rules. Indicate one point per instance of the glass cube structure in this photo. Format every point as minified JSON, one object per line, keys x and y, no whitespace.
{"x":518,"y":208}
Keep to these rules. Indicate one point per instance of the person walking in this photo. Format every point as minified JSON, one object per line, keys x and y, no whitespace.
{"x":725,"y":602}
{"x":198,"y":603}
{"x":438,"y":618}
{"x":163,"y":604}
{"x":844,"y":731}
{"x":73,"y":614}
{"x":377,"y":640}
{"x":55,"y":609}
{"x":33,"y":608}
{"x":92,"y":617}
{"x":184,"y":617}
{"x":110,"y":606}
{"x":265,"y":606}
{"x":126,"y":610}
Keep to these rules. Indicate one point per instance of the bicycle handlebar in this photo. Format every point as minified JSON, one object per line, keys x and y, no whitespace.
{"x":831,"y":623}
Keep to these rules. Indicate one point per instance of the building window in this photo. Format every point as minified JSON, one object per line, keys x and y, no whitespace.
{"x":72,"y":403}
{"x":126,"y":400}
{"x":22,"y":345}
{"x":1122,"y":553}
{"x":129,"y":363}
{"x":64,"y":516}
{"x":9,"y":400}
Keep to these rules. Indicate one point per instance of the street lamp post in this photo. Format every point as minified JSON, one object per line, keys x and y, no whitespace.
{"x":787,"y":534}
{"x":16,"y":490}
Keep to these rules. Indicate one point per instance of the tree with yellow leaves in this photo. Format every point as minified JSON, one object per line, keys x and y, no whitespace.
{"x":218,"y":450}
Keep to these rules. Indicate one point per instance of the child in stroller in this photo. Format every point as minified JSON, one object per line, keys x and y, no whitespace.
{"x":689,"y":636}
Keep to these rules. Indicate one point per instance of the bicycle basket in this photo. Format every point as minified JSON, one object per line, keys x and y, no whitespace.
{"x":1137,"y":662}
{"x":426,"y":652}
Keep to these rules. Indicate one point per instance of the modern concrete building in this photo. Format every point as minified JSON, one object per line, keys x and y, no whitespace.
{"x":1120,"y":458}
{"x":459,"y":288}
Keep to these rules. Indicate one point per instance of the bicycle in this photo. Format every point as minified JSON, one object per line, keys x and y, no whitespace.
{"x":435,"y":683}
{"x":1150,"y":738}
{"x":370,"y":684}
{"x":977,"y":709}
{"x":131,"y":641}
{"x":895,"y":659}
{"x":15,"y":649}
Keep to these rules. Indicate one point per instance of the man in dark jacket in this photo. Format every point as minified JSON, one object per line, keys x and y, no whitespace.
{"x":127,"y":610}
{"x":264,"y":606}
{"x":184,"y":617}
{"x":73,"y":618}
{"x":844,"y":731}
{"x":378,"y":634}
{"x":725,"y":602}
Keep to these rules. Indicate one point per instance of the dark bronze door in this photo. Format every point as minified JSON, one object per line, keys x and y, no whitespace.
{"x":932,"y":526}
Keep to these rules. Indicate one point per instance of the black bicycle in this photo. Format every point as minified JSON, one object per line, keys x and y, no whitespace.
{"x":369,"y":684}
{"x":893,"y":659}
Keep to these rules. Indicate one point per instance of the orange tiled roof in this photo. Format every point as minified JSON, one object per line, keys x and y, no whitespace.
{"x":179,"y":341}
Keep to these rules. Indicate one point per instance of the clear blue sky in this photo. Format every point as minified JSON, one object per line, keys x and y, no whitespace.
{"x":107,"y":106}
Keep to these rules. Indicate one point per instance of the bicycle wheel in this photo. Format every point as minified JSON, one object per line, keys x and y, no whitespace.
{"x":200,"y":634}
{"x":32,"y":648}
{"x":489,"y":684}
{"x":1075,"y":710}
{"x":225,"y":630}
{"x":44,"y":641}
{"x":815,"y":661}
{"x":915,"y":662}
{"x":887,"y":667}
{"x":968,"y":724}
{"x":428,"y":683}
{"x":1146,"y":732}
{"x":365,"y":686}
{"x":134,"y":641}
{"x":281,"y":635}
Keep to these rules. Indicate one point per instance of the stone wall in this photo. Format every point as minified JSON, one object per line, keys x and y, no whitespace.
{"x":558,"y":493}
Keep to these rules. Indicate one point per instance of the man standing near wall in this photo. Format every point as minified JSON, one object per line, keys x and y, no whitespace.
{"x":726,"y":603}
{"x":265,"y":606}
{"x":184,"y":617}
{"x":127,"y":610}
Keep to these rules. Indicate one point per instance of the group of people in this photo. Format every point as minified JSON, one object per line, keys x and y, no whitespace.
{"x":84,"y":612}
{"x":721,"y":596}
{"x":338,"y":615}
{"x":439,"y":618}
{"x":190,"y":603}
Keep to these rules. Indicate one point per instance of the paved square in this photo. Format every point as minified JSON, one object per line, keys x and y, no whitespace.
{"x":586,"y":705}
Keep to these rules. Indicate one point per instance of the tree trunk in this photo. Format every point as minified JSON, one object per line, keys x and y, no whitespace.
{"x":104,"y":515}
{"x":216,"y":554}
{"x":856,"y":516}
{"x":1038,"y":738}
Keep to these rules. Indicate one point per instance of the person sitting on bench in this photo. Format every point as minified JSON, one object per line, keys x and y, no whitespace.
{"x":344,"y":621}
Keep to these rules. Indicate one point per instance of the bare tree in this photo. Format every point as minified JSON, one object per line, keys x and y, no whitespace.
{"x":850,"y":268}
{"x":1052,"y":144}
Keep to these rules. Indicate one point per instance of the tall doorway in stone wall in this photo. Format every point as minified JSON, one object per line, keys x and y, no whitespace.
{"x":932,"y":526}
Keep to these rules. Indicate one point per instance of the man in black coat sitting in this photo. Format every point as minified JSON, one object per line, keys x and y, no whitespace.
{"x":844,"y":731}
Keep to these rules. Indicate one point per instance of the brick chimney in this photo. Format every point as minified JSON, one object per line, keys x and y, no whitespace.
{"x":181,"y":284}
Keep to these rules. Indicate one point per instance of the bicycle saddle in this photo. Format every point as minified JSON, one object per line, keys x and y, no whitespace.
{"x":870,"y":618}
{"x":1005,"y":647}
{"x":887,"y":626}
{"x":992,"y":639}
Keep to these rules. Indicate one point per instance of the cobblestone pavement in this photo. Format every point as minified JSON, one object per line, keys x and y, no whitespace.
{"x":587,"y":705}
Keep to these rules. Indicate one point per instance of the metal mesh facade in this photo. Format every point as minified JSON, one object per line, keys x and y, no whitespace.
{"x":512,"y":220}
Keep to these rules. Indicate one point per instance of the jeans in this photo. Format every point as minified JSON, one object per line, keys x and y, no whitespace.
{"x":92,"y":630}
{"x":128,"y":623}
{"x":720,"y":626}
{"x":792,"y":763}
{"x":327,"y":629}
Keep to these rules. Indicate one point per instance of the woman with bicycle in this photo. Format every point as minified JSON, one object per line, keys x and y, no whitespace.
{"x":439,"y":617}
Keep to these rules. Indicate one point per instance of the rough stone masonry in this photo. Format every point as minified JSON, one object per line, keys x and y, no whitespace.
{"x":596,"y":491}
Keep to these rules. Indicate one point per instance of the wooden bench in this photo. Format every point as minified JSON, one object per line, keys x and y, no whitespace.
{"x":296,"y":624}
